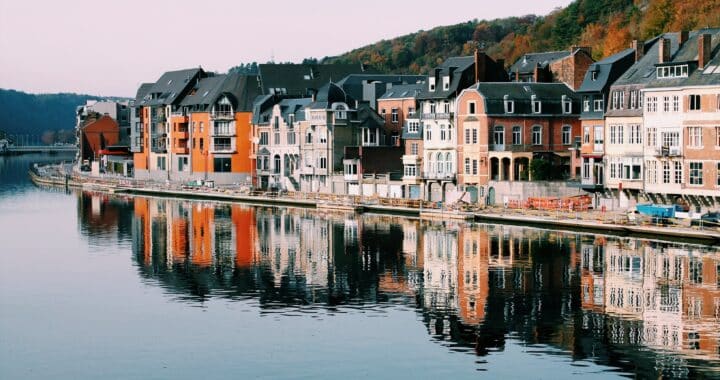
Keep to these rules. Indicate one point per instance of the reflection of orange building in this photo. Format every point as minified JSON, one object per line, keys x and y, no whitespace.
{"x":244,"y":220}
{"x":701,"y":304}
{"x":473,"y":256}
{"x":142,"y":214}
{"x":592,"y":281}
{"x":201,"y":219}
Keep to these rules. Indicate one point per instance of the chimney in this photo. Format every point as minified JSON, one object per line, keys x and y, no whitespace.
{"x":639,"y":47}
{"x":683,"y":37}
{"x":664,"y":51}
{"x":536,"y":73}
{"x":478,"y":56}
{"x":704,"y":51}
{"x":586,"y":49}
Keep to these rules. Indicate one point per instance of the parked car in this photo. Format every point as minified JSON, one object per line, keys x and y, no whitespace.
{"x":710,"y":219}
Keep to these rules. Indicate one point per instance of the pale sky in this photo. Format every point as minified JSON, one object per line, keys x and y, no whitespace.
{"x":110,"y":47}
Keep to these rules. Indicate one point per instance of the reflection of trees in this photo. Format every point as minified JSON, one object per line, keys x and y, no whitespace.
{"x":101,"y":214}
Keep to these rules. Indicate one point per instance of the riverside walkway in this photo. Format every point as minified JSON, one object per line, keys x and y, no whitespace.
{"x":590,"y":221}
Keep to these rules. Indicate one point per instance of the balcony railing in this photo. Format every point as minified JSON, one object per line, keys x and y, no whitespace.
{"x":223,"y":115}
{"x":437,"y":116}
{"x":436,"y":175}
{"x":668,"y":151}
{"x":223,"y":148}
{"x":223,"y":131}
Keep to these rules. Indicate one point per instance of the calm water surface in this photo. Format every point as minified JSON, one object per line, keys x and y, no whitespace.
{"x":99,"y":286}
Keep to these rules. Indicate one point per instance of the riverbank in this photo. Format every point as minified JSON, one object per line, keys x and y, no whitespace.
{"x":585,"y":221}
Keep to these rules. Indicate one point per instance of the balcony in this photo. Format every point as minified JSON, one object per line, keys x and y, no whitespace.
{"x":181,"y":149}
{"x":437,"y":116}
{"x":440,"y":176}
{"x":225,"y":132}
{"x":223,"y":115}
{"x":512,"y":147}
{"x":222,"y":148}
{"x":668,"y":151}
{"x":158,"y":145}
{"x":159,"y":118}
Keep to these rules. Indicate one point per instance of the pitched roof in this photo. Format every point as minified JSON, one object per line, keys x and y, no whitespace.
{"x":601,"y":74}
{"x":171,"y":86}
{"x":401,"y":91}
{"x":294,"y":107}
{"x":328,"y":94}
{"x":549,"y":94}
{"x":142,"y":91}
{"x":526,"y":64}
{"x":461,"y":71}
{"x":204,"y":91}
{"x":688,"y":54}
{"x":641,"y":71}
{"x":301,"y":79}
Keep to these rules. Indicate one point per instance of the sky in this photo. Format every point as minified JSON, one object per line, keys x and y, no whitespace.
{"x":109,"y":48}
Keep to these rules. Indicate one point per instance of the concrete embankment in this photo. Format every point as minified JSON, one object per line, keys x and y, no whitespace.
{"x":313,"y":201}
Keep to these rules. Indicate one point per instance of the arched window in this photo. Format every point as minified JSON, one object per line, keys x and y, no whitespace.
{"x":443,"y":132}
{"x":537,"y":135}
{"x":430,"y":163}
{"x":439,"y":158}
{"x":448,"y":163}
{"x":277,"y":164}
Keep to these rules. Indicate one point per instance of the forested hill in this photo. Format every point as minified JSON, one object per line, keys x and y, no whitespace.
{"x":22,"y":113}
{"x":607,"y":26}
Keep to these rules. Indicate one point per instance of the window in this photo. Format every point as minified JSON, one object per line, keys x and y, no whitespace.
{"x":428,"y":132}
{"x":652,"y":136}
{"x":618,"y":100}
{"x":394,"y":115}
{"x":413,"y":127}
{"x":620,"y":132}
{"x":509,"y":104}
{"x":717,"y":137}
{"x":537,"y":135}
{"x":694,"y":102}
{"x":202,"y":144}
{"x":448,"y":163}
{"x":678,"y":172}
{"x":517,"y":135}
{"x":221,"y":164}
{"x":666,"y":172}
{"x":635,"y":135}
{"x":676,"y":71}
{"x":696,"y":173}
{"x":443,"y":132}
{"x":586,"y":169}
{"x":718,"y":184}
{"x":323,"y":163}
{"x":566,"y":105}
{"x":586,"y":135}
{"x":222,"y":143}
{"x":670,"y":139}
{"x":308,"y":138}
{"x":439,"y":162}
{"x":566,"y":131}
{"x":433,"y":107}
{"x":666,"y":103}
{"x":264,"y":136}
{"x":474,"y":136}
{"x":651,"y":171}
{"x":613,"y":134}
{"x":410,"y":170}
{"x":676,"y":103}
{"x":536,"y":105}
{"x":633,"y":99}
{"x":183,"y":164}
{"x":323,"y":137}
{"x":467,"y":166}
{"x":201,"y":127}
{"x":695,"y":137}
{"x":471,"y":108}
{"x":161,"y":163}
{"x":467,"y":136}
{"x":446,"y":106}
{"x":414,"y":148}
{"x":431,"y":84}
{"x":652,"y":104}
{"x":499,"y":135}
{"x":276,"y":138}
{"x":411,"y":111}
{"x":475,"y":167}
{"x":291,"y":138}
{"x":446,"y":82}
{"x":586,"y":103}
{"x":598,"y":135}
{"x":598,"y":105}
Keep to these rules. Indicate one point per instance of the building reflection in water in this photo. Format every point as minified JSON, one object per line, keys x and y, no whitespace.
{"x":645,"y":307}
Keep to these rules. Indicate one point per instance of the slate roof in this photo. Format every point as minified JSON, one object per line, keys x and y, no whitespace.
{"x":142,"y":91}
{"x":526,"y":64}
{"x":241,"y":89}
{"x":171,"y":86}
{"x":353,"y":83}
{"x":462,"y":74}
{"x":688,"y":53}
{"x":401,"y":91}
{"x":549,"y":94}
{"x":301,"y":79}
{"x":295,"y":107}
{"x":204,"y":91}
{"x":607,"y":71}
{"x":642,"y":71}
{"x":328,"y":94}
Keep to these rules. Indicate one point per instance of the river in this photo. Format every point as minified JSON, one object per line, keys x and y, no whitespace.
{"x":100,"y":286}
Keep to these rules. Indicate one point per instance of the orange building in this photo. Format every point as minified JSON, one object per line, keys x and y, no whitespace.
{"x":97,"y":134}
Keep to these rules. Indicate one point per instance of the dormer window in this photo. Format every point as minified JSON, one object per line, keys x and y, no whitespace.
{"x":586,"y":103}
{"x":536,"y":105}
{"x":340,"y":112}
{"x":509,"y":104}
{"x":431,"y":83}
{"x":676,"y":71}
{"x":566,"y":104}
{"x":593,"y":75}
{"x":446,"y":83}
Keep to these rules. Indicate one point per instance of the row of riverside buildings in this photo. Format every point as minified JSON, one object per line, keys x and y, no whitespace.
{"x":643,"y":124}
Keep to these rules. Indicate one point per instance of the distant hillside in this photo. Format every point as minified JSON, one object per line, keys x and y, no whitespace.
{"x":607,"y":26}
{"x":22,"y":113}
